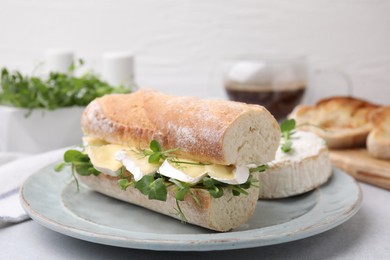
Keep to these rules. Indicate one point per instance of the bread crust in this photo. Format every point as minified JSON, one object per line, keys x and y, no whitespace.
{"x":216,"y":131}
{"x":343,"y":122}
{"x":378,"y":141}
{"x":221,"y":214}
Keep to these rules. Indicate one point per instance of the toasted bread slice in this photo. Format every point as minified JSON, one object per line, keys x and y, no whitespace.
{"x":378,"y":141}
{"x":343,"y":122}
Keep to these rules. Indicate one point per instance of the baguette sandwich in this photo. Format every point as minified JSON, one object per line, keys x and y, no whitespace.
{"x":184,"y":157}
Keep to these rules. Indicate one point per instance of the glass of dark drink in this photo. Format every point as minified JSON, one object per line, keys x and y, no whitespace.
{"x":277,"y":83}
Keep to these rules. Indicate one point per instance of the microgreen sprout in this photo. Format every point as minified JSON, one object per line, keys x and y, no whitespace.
{"x":54,"y":91}
{"x":156,"y":154}
{"x":79,"y":162}
{"x":287,"y":129}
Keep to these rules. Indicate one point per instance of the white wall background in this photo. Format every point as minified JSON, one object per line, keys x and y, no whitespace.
{"x":179,"y":43}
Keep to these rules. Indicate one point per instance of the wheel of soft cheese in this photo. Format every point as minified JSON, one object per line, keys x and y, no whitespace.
{"x":304,"y":168}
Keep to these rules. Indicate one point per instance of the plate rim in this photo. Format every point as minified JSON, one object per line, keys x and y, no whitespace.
{"x":191,"y":242}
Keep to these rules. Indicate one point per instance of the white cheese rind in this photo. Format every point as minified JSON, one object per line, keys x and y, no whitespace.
{"x":168,"y":170}
{"x":307,"y":167}
{"x":238,"y":175}
{"x":136,"y":165}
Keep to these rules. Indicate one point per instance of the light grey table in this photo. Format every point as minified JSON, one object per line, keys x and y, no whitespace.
{"x":364,"y":236}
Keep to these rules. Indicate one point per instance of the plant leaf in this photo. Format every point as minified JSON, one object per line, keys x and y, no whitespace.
{"x":260,"y":168}
{"x":155,"y":146}
{"x":216,"y":192}
{"x":143,"y":184}
{"x":287,"y":125}
{"x":286,"y":147}
{"x":181,"y":193}
{"x":158,"y":190}
{"x":124,"y":183}
{"x":59,"y":167}
{"x":75,"y":156}
{"x":155,"y":157}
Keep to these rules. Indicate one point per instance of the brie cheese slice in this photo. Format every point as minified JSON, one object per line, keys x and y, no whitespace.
{"x":228,"y":174}
{"x":136,"y":163}
{"x":103,"y":159}
{"x":183,"y":172}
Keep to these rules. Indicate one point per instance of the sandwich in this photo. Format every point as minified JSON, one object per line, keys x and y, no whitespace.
{"x":189,"y":158}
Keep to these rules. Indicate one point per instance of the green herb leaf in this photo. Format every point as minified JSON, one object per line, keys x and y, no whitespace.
{"x":56,"y":91}
{"x":180,"y":213}
{"x":59,"y":167}
{"x":155,"y":157}
{"x":124,"y":183}
{"x":155,"y":146}
{"x":154,"y":188}
{"x":85,"y":169}
{"x":287,"y":128}
{"x":75,"y":156}
{"x":208,"y":182}
{"x":143,"y":185}
{"x":214,"y":187}
{"x":287,"y":125}
{"x":237,"y":190}
{"x":286,"y":146}
{"x":156,"y":154}
{"x":216,"y":192}
{"x":181,"y":193}
{"x":158,"y":190}
{"x":260,"y":168}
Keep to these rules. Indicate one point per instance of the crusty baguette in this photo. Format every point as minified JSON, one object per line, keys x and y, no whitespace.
{"x":378,"y":141}
{"x":215,"y":131}
{"x":221,"y":214}
{"x":304,"y":168}
{"x":343,"y":122}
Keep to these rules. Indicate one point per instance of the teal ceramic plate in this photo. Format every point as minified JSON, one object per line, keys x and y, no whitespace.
{"x":51,"y":199}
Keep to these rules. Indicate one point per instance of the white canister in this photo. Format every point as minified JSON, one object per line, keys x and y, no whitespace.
{"x":118,"y":68}
{"x":58,"y":60}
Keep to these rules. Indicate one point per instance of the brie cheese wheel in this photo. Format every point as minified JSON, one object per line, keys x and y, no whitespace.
{"x":137,"y":164}
{"x":228,"y":174}
{"x":304,"y":168}
{"x":103,"y":159}
{"x":188,"y":173}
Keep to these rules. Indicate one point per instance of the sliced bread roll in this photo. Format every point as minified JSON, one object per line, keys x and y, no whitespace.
{"x":343,"y":122}
{"x":214,"y":131}
{"x":304,"y":168}
{"x":378,"y":141}
{"x":221,"y":214}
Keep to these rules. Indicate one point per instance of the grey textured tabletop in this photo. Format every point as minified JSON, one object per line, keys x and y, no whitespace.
{"x":365,"y":236}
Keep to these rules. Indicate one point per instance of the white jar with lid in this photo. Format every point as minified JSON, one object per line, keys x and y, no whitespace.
{"x":58,"y":60}
{"x":118,"y":69}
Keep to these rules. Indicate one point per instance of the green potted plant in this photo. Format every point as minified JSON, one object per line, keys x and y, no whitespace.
{"x":38,"y":114}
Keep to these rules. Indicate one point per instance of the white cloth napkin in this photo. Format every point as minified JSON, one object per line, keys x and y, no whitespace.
{"x":13,"y":174}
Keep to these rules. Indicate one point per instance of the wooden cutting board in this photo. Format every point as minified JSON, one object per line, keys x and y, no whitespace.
{"x":359,"y":164}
